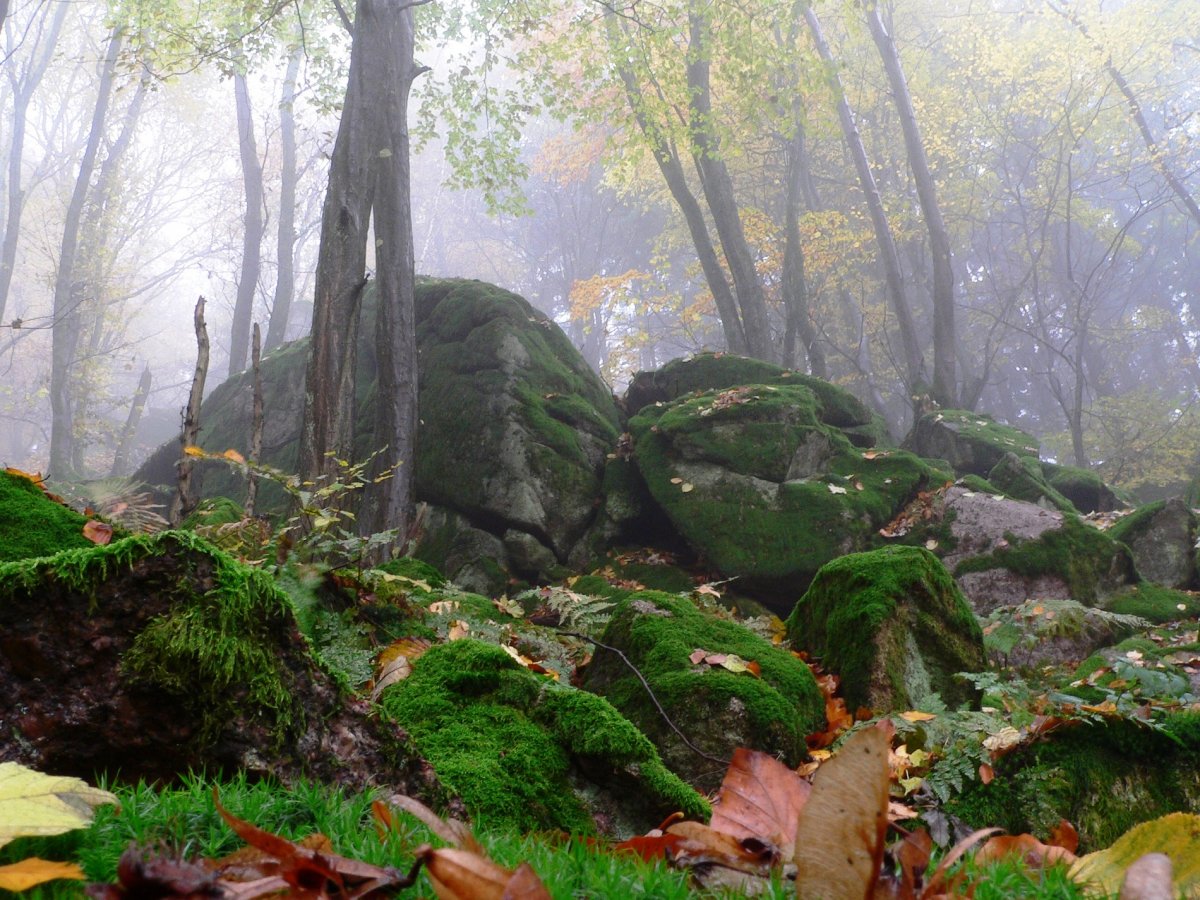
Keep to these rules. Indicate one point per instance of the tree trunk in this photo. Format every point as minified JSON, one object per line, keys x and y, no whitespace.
{"x":285,"y":280}
{"x":256,"y":421}
{"x":253,"y":228}
{"x":387,"y":28}
{"x":795,"y":288}
{"x":67,"y":290}
{"x":120,"y":465}
{"x":945,"y":388}
{"x":914,"y":364}
{"x":718,"y":193}
{"x":328,"y":426}
{"x":185,"y":498}
{"x":22,"y":93}
{"x":671,"y":168}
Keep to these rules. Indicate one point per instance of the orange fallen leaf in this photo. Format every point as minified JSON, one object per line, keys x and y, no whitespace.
{"x":1033,"y":852}
{"x":97,"y":532}
{"x":760,"y":798}
{"x":233,"y":456}
{"x":21,"y":876}
{"x":986,"y":773}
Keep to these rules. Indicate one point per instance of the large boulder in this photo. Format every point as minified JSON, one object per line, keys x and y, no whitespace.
{"x":973,"y":443}
{"x":1162,"y":536}
{"x":717,"y":708}
{"x":158,"y":656}
{"x":515,"y":428}
{"x":763,"y":483}
{"x":893,"y":625}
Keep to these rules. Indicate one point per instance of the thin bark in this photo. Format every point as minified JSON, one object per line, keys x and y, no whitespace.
{"x":185,"y":498}
{"x":67,"y":289}
{"x":387,"y":29}
{"x":22,"y":93}
{"x":253,"y":228}
{"x":945,"y":390}
{"x":672,"y":171}
{"x":120,"y":465}
{"x":914,"y":364}
{"x":256,"y":421}
{"x":285,"y":280}
{"x":718,"y":193}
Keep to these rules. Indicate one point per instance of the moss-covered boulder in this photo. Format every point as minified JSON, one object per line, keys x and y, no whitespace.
{"x":720,"y":371}
{"x":525,"y":753}
{"x":894,"y":625}
{"x":32,"y":523}
{"x":1003,"y":551}
{"x":973,"y":443}
{"x":1046,"y":632}
{"x":1162,"y":537}
{"x":1082,"y":487}
{"x":762,"y":483}
{"x":156,"y":656}
{"x":515,"y":428}
{"x":1102,"y":778}
{"x":716,"y":708}
{"x":1021,"y":478}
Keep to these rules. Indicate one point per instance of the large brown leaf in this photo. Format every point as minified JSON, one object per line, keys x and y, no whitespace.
{"x":760,"y":798}
{"x":840,"y":835}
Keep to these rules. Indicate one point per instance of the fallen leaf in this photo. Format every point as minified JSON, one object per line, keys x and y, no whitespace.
{"x":1064,"y":835}
{"x":21,"y":876}
{"x":840,"y":834}
{"x":233,"y":456}
{"x":36,"y":805}
{"x":1033,"y":852}
{"x":443,"y":606}
{"x":836,"y":489}
{"x":97,"y":532}
{"x":1176,"y":835}
{"x":761,"y":798}
{"x":458,"y":630}
{"x":916,"y":715}
{"x":704,"y":846}
{"x":986,"y":773}
{"x":687,"y":487}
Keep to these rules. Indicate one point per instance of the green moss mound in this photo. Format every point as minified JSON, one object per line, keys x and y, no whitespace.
{"x":894,"y":625}
{"x":214,"y":511}
{"x":973,"y":443}
{"x":1021,"y":478}
{"x":1127,"y":528}
{"x":1155,"y":603}
{"x":1103,"y":778}
{"x":1082,"y":487}
{"x":507,"y":741}
{"x":32,"y":524}
{"x":716,"y":708}
{"x":411,"y":569}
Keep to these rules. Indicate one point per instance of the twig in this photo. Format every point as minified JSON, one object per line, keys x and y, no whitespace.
{"x":653,"y":699}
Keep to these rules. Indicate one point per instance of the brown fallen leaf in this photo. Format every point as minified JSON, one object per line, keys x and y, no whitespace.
{"x":704,"y":846}
{"x":760,"y":798}
{"x":840,"y":834}
{"x":1033,"y":852}
{"x":97,"y":532}
{"x":463,"y":875}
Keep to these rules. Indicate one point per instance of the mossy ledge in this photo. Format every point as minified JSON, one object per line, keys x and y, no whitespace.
{"x":516,"y":747}
{"x":32,"y":524}
{"x":210,"y":649}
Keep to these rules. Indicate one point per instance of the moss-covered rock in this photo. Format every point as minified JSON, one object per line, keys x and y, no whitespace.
{"x":759,"y":482}
{"x":973,"y":443}
{"x":1082,"y":487}
{"x":34,"y":524}
{"x":717,"y":709}
{"x":525,"y":753}
{"x":213,"y":511}
{"x":1021,"y":477}
{"x":1162,"y":537}
{"x":1154,"y":603}
{"x":1103,"y":778}
{"x":894,"y":625}
{"x":158,"y":655}
{"x":1045,"y":631}
{"x":514,"y":434}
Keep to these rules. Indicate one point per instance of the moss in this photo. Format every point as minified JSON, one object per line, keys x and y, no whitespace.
{"x":980,"y":428}
{"x":1021,"y":477}
{"x":1078,"y":553}
{"x":1083,"y":487}
{"x":890,"y":622}
{"x":214,"y":511}
{"x":213,"y":649}
{"x":504,"y":739}
{"x":414,"y":570}
{"x":658,"y":632}
{"x":1154,"y":602}
{"x":979,"y":485}
{"x":1129,"y":527}
{"x":1103,"y":778}
{"x":32,"y":524}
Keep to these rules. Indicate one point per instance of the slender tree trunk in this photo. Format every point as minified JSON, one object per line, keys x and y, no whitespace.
{"x":67,"y":290}
{"x":673,"y":174}
{"x":341,"y":263}
{"x":795,"y":288}
{"x":185,"y":498}
{"x":22,"y":94}
{"x":256,"y":420}
{"x":387,"y":26}
{"x":285,"y":281}
{"x":945,"y":388}
{"x":120,"y":465}
{"x":914,"y":364}
{"x":253,"y":228}
{"x":718,"y":193}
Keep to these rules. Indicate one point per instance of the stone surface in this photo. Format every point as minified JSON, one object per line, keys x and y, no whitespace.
{"x":1162,"y":536}
{"x":973,"y":443}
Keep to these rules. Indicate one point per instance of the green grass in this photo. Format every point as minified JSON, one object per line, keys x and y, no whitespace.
{"x":184,"y":821}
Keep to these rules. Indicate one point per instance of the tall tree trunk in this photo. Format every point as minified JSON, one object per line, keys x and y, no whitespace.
{"x":120,"y":465}
{"x":945,"y":387}
{"x":667,"y":158}
{"x":185,"y":497}
{"x":285,"y":280}
{"x":718,"y":193}
{"x":67,"y":290}
{"x":795,"y":288}
{"x":914,"y":364}
{"x":253,"y":228}
{"x":387,"y":27}
{"x":328,"y":426}
{"x":22,"y":93}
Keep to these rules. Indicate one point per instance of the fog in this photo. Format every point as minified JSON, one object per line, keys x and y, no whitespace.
{"x":1010,"y":228}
